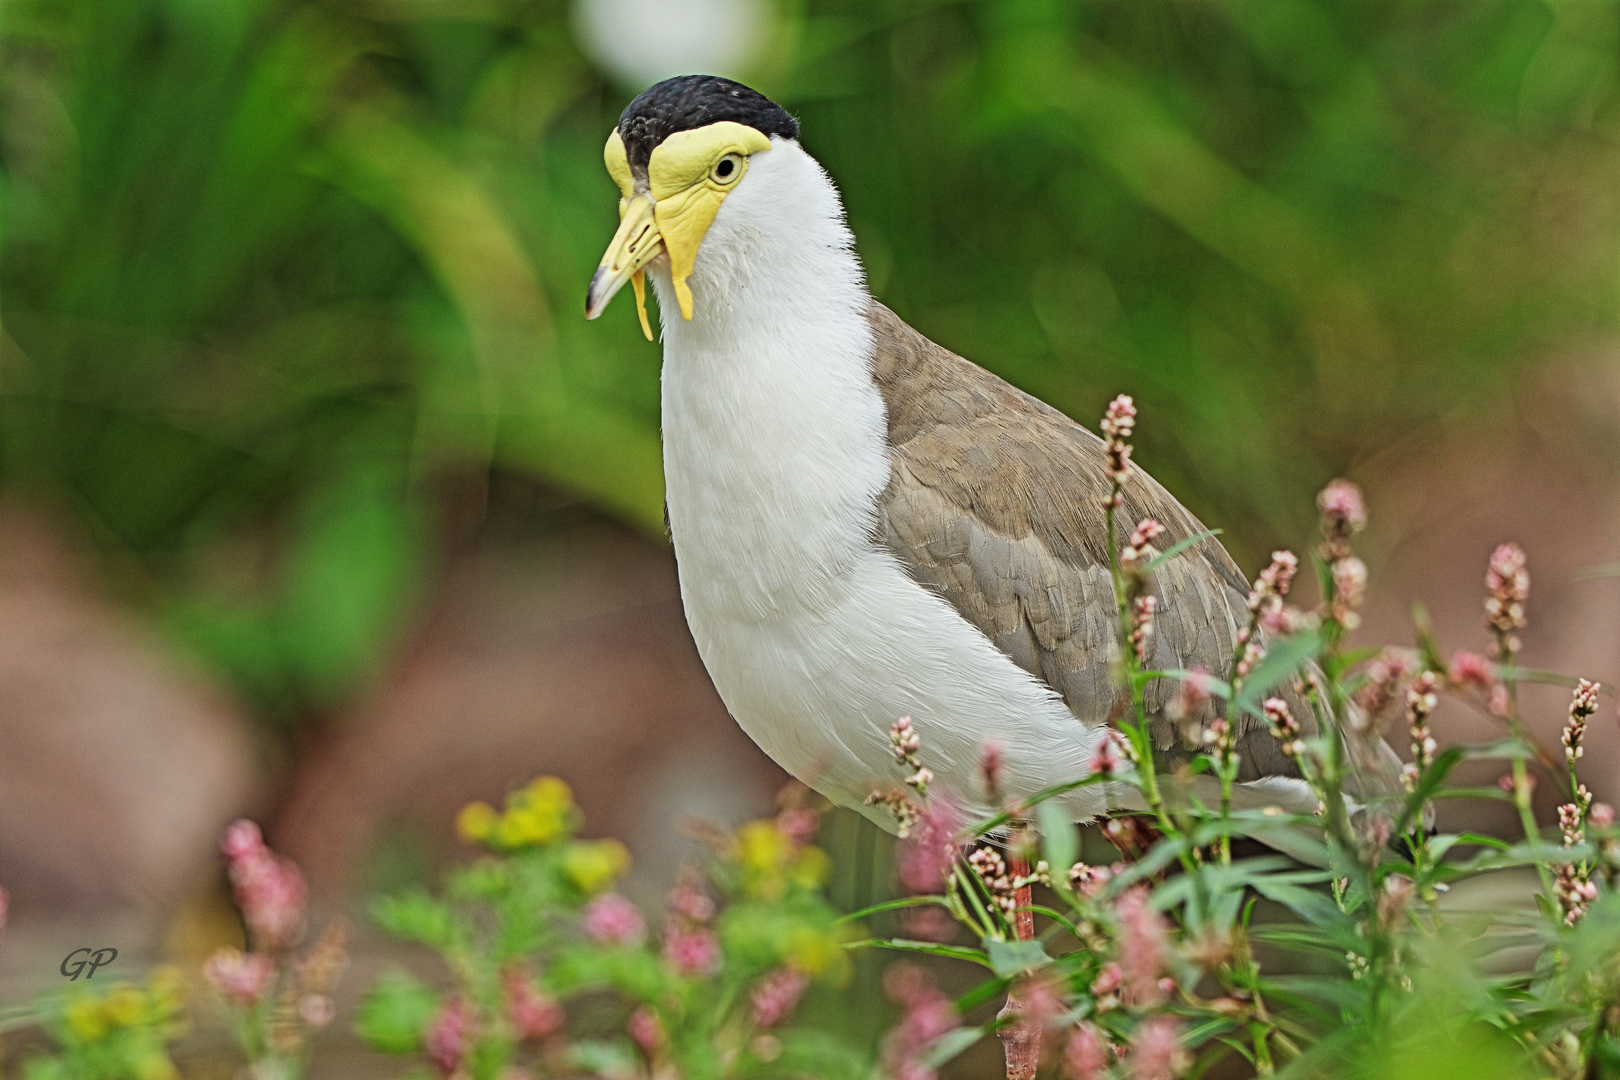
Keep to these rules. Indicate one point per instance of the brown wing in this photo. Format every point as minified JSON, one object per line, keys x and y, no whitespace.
{"x":995,"y":501}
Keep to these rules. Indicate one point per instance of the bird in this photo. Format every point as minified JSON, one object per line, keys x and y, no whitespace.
{"x":868,"y":526}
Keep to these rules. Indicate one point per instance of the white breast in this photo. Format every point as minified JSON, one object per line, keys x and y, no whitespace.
{"x":774,"y":454}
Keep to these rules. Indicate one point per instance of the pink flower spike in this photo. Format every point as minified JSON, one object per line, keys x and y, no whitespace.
{"x":242,"y":839}
{"x":534,"y":1014}
{"x":1472,"y":670}
{"x":1141,"y":947}
{"x":610,"y":919}
{"x":5,"y":906}
{"x":645,"y":1028}
{"x":1085,"y":1056}
{"x":1601,"y":815}
{"x":448,"y":1037}
{"x":691,"y":903}
{"x":991,"y":755}
{"x":929,"y":851}
{"x":798,"y":824}
{"x":1157,"y":1053}
{"x":776,"y":996}
{"x":1108,"y":757}
{"x":692,"y":953}
{"x":240,"y":978}
{"x":1342,"y":507}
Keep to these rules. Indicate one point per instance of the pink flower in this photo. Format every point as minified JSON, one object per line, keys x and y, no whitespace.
{"x":610,"y":919}
{"x":1120,"y":419}
{"x":928,"y":1015}
{"x":928,"y":853}
{"x":1085,"y":1057}
{"x":991,"y":755}
{"x":5,"y":906}
{"x":1141,"y":947}
{"x":1508,"y":582}
{"x":1471,"y":669}
{"x":1139,"y":549}
{"x":1089,"y":881}
{"x":241,"y":978}
{"x":798,"y":824}
{"x":448,"y":1035}
{"x":645,"y":1029}
{"x":1108,"y":756}
{"x":691,"y":902}
{"x":1197,"y":686}
{"x":1156,"y":1053}
{"x":927,"y":924}
{"x":1041,"y":1001}
{"x":534,"y":1013}
{"x":1343,"y":509}
{"x":269,"y":889}
{"x":242,"y":840}
{"x":1601,"y":815}
{"x":316,"y":1010}
{"x":1108,"y":980}
{"x":1582,"y":705}
{"x":776,"y":996}
{"x":692,"y":952}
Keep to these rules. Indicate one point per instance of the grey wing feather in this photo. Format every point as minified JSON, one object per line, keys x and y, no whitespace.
{"x":995,"y":501}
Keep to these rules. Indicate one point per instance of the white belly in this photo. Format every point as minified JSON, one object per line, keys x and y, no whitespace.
{"x":818,"y":689}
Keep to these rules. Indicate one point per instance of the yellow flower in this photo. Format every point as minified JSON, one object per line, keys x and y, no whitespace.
{"x":762,"y":848}
{"x":812,"y":869}
{"x":476,"y":822}
{"x":156,"y":1067}
{"x":594,"y":865}
{"x":126,"y":1006}
{"x":167,"y":987}
{"x":548,"y":794}
{"x":818,"y":954}
{"x":86,"y":1018}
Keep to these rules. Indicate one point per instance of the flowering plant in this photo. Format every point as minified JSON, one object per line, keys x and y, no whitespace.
{"x":554,"y":973}
{"x":120,"y":1032}
{"x":1350,"y":958}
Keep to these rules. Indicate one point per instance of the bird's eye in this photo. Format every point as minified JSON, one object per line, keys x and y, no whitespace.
{"x":727,"y":169}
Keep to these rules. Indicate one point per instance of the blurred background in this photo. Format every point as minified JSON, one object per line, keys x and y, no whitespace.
{"x":319,"y":500}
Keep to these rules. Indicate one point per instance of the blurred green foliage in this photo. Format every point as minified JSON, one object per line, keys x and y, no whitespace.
{"x":271,"y":267}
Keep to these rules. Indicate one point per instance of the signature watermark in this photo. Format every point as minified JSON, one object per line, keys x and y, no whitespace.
{"x":94,"y":959}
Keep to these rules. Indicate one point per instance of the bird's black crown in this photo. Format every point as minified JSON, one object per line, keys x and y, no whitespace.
{"x":694,"y":101}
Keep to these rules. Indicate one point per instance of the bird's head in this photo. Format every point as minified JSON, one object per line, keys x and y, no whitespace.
{"x":680,"y":148}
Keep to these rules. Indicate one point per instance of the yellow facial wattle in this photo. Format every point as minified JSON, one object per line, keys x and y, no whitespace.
{"x":688,"y":176}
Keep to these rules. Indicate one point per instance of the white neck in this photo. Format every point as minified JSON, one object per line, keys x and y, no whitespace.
{"x":768,"y":397}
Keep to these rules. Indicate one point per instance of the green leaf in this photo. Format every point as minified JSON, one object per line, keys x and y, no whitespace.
{"x":596,"y":1057}
{"x":417,"y":916}
{"x":1009,"y":958}
{"x":394,"y":1012}
{"x":1310,"y":905}
{"x":1060,"y":841}
{"x":1180,"y":546}
{"x":1282,"y":659}
{"x":950,"y":1044}
{"x":892,"y":905}
{"x":955,"y":952}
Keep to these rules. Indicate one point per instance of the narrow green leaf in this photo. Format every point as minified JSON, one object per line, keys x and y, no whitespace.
{"x":1282,"y":659}
{"x":950,"y":1044}
{"x":1178,"y":547}
{"x":954,"y":952}
{"x":1009,"y":958}
{"x":1060,"y":841}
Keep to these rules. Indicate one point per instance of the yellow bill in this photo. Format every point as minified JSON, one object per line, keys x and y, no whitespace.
{"x":689,"y":174}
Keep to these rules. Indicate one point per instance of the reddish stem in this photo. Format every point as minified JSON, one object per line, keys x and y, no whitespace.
{"x":1020,"y":1038}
